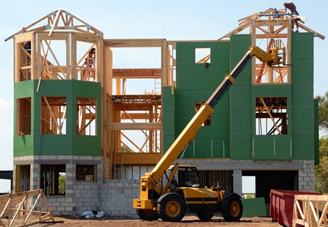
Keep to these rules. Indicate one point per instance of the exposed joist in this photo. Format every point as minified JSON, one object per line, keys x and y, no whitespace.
{"x":134,"y":126}
{"x":137,"y":73}
{"x":133,"y":42}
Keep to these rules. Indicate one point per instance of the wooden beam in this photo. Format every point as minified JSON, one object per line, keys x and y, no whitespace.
{"x":135,"y":116}
{"x":136,"y":73}
{"x":316,"y":34}
{"x":138,"y":158}
{"x":133,"y":126}
{"x":134,"y":42}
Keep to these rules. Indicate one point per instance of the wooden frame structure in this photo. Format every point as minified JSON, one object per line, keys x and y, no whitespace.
{"x":24,"y":208}
{"x":275,"y":28}
{"x":43,"y":51}
{"x":271,"y":28}
{"x":310,"y":210}
{"x":138,"y":113}
{"x":60,"y":46}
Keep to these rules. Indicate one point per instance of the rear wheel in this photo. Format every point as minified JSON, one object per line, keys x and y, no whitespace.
{"x":232,"y":209}
{"x":147,"y":215}
{"x":171,"y":208}
{"x":205,"y":216}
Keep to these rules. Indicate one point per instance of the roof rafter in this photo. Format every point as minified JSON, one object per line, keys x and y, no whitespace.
{"x":57,"y":21}
{"x":271,"y":14}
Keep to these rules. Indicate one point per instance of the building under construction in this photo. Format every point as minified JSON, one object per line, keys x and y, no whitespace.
{"x":76,"y":121}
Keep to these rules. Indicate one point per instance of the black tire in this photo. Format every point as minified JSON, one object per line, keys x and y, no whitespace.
{"x":147,"y":215}
{"x":205,"y":216}
{"x":171,"y":208}
{"x":232,"y":209}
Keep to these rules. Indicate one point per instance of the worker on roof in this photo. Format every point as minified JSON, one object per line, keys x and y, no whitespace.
{"x":293,"y":11}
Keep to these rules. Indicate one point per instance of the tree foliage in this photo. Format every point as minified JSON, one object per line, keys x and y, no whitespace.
{"x":62,"y":184}
{"x":321,"y":170}
{"x":323,"y":111}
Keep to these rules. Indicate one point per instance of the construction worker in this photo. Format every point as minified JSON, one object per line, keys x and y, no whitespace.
{"x":89,"y":64}
{"x":293,"y":11}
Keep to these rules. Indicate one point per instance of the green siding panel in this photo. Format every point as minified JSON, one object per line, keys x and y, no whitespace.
{"x":302,"y":125}
{"x":241,"y":125}
{"x":271,"y":91}
{"x":240,"y":98}
{"x":23,"y":145}
{"x":302,"y":73}
{"x":272,"y":147}
{"x":303,"y":147}
{"x":254,"y":207}
{"x":53,"y":145}
{"x":302,"y":95}
{"x":302,"y":45}
{"x":233,"y":121}
{"x":196,"y":83}
{"x":186,"y":53}
{"x":69,"y":143}
{"x":239,"y":46}
{"x":241,"y":146}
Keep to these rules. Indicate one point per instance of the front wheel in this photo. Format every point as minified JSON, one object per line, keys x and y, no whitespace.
{"x":232,"y":208}
{"x":147,"y":215}
{"x":171,"y":208}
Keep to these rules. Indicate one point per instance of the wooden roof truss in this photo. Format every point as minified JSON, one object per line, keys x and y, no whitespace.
{"x":59,"y":20}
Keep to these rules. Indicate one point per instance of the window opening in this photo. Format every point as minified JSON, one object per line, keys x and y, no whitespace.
{"x":202,"y":55}
{"x":24,"y":63}
{"x":86,"y":172}
{"x":271,"y":116}
{"x":86,"y":61}
{"x":87,"y":116}
{"x":274,"y":75}
{"x":249,"y":186}
{"x":24,"y":177}
{"x":53,"y":115}
{"x":54,"y":60}
{"x":53,"y":179}
{"x":23,"y":116}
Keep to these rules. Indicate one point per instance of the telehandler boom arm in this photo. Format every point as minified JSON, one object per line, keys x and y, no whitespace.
{"x":189,"y":132}
{"x":151,"y":181}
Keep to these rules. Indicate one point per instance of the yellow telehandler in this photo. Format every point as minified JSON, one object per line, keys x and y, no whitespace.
{"x":171,"y":190}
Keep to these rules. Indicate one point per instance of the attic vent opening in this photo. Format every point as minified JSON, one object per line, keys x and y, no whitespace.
{"x":202,"y":55}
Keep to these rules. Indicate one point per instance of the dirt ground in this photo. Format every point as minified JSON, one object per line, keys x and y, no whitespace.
{"x":188,"y":221}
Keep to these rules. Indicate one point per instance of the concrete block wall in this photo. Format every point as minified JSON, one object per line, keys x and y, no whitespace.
{"x":117,"y":198}
{"x":306,"y":176}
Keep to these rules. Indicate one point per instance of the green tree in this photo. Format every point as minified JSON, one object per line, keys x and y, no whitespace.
{"x":323,"y":111}
{"x":125,"y":149}
{"x":321,"y":170}
{"x":62,"y":183}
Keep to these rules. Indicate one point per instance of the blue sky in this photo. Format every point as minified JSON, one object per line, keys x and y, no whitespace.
{"x":173,"y":20}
